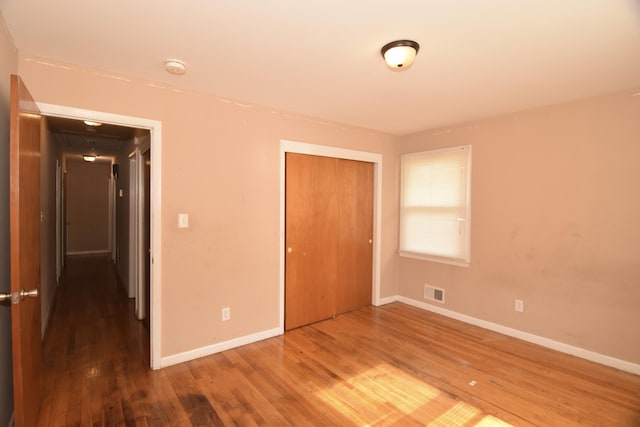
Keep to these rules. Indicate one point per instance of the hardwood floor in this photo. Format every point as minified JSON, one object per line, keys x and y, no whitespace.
{"x":393,"y":365}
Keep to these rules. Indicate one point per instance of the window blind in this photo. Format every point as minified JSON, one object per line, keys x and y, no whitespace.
{"x":435,"y":208}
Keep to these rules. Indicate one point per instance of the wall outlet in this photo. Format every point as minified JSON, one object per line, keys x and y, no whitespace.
{"x":226,"y":314}
{"x":519,"y":305}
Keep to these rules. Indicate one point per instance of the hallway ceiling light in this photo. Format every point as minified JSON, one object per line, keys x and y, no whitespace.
{"x":89,"y":157}
{"x":173,"y":66}
{"x":399,"y":54}
{"x":92,"y":123}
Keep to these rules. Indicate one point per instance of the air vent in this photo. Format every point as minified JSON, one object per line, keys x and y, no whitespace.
{"x":434,"y":294}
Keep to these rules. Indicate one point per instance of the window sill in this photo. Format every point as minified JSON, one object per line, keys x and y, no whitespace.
{"x":442,"y":260}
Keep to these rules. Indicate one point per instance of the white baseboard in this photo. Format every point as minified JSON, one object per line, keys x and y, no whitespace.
{"x":602,"y":359}
{"x":217,"y":348}
{"x":386,"y":300}
{"x":97,"y":252}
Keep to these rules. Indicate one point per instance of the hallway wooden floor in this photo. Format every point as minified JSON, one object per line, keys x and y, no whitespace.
{"x":394,"y":365}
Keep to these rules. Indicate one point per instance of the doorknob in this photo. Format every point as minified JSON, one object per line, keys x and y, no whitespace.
{"x":15,"y":297}
{"x":32,"y":293}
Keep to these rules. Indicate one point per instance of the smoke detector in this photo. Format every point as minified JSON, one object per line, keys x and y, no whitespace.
{"x":174,"y":66}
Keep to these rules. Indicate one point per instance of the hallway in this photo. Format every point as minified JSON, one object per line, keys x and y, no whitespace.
{"x":94,"y":350}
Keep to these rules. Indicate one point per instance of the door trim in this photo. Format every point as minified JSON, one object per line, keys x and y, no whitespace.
{"x":59,"y":220}
{"x":287,"y":146}
{"x":155,"y":129}
{"x":133,"y":227}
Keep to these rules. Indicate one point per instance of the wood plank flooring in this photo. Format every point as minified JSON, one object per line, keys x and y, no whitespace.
{"x":388,"y":366}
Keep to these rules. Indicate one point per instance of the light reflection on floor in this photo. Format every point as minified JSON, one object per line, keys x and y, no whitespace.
{"x":385,"y":395}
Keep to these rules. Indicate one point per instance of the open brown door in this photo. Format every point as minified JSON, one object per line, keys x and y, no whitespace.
{"x":24,"y":214}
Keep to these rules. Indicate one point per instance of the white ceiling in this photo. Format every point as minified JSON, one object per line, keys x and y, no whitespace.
{"x":478,"y":58}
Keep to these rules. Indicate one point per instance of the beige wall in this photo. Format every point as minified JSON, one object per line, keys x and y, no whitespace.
{"x":220,"y":164}
{"x":87,"y":205}
{"x":555,"y":208}
{"x":8,"y":66}
{"x":49,"y":153}
{"x":552,"y":221}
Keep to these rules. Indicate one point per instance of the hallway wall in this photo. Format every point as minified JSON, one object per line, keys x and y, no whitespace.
{"x":88,"y":205}
{"x":49,"y":153}
{"x":8,"y":66}
{"x":123,"y":209}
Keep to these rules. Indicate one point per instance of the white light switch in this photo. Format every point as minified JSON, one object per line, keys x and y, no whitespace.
{"x":183,"y":220}
{"x":121,"y":193}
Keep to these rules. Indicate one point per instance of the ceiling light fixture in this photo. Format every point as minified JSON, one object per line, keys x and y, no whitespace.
{"x":399,"y":55}
{"x":173,"y":66}
{"x":92,"y":123}
{"x":89,"y":157}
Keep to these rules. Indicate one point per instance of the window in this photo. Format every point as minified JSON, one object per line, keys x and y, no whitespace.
{"x":434,"y":205}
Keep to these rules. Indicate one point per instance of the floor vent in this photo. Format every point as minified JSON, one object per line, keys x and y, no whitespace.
{"x":434,"y":294}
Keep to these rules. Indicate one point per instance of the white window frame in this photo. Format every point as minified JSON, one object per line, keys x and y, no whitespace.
{"x":464,"y":219}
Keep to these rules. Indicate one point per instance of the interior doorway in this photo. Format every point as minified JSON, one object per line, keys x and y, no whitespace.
{"x":151,"y":239}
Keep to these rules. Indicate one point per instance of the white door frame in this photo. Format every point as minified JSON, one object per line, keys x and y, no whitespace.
{"x":59,"y":220}
{"x":113,"y":198}
{"x":155,"y":129}
{"x":340,"y":153}
{"x":133,"y":227}
{"x":136,"y":228}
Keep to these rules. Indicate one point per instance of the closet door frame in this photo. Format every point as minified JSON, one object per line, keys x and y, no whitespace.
{"x":287,"y":146}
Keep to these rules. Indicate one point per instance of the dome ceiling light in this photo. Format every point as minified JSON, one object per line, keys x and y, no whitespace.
{"x":399,"y":54}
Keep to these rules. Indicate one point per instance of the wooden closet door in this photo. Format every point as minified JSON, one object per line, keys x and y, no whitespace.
{"x":311,"y":226}
{"x":355,"y":235}
{"x":329,"y":217}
